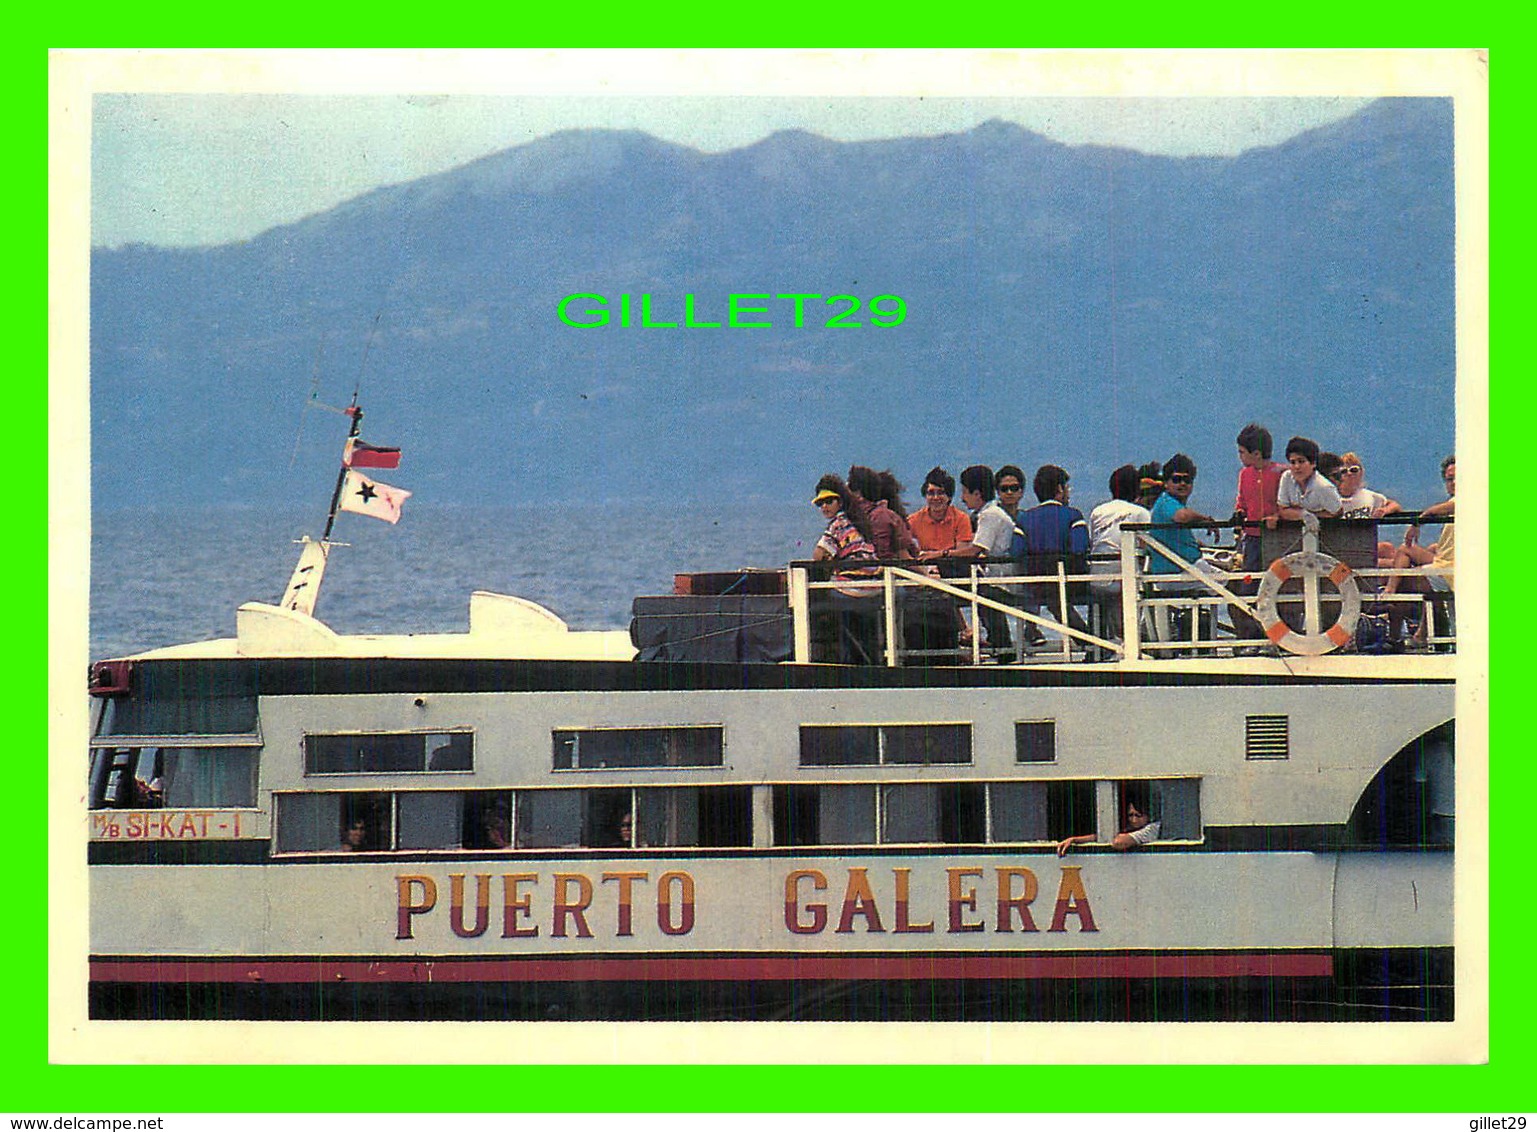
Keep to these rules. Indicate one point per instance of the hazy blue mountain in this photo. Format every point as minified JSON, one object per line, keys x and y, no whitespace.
{"x":1080,"y":305}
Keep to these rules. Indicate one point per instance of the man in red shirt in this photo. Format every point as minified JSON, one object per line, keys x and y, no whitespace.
{"x":1258,"y":482}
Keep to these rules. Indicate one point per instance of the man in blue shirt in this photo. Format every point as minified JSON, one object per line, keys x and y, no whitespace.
{"x":1049,"y":534}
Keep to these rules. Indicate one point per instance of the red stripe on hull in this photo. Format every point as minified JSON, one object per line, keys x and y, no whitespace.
{"x":773,"y":968}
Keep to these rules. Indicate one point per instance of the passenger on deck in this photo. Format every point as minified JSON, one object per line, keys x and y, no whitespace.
{"x":1329,"y":465}
{"x":1302,"y":488}
{"x":1173,"y":506}
{"x":1442,"y":552}
{"x":942,"y":530}
{"x":845,"y":634}
{"x":891,"y":496}
{"x":1105,"y":539}
{"x":848,"y":531}
{"x":1139,"y":831}
{"x":1049,"y":534}
{"x":1259,"y":482}
{"x":1357,"y":501}
{"x":1150,"y":485}
{"x":992,"y":532}
{"x":1010,"y":482}
{"x":887,"y":528}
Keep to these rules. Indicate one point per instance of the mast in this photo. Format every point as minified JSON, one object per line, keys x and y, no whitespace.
{"x":304,"y":586}
{"x":354,"y":411}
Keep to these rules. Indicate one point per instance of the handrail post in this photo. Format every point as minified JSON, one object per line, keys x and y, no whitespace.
{"x":1131,"y":614}
{"x":1312,"y":613}
{"x":976,"y":617}
{"x":800,"y":613}
{"x":889,"y":595}
{"x":1067,"y":642}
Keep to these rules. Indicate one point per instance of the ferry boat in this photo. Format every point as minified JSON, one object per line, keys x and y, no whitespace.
{"x":718,"y":815}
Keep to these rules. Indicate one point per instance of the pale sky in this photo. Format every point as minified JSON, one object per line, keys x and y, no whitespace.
{"x":191,"y":169}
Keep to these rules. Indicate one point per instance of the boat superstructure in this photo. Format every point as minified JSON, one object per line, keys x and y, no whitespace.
{"x":716,"y":815}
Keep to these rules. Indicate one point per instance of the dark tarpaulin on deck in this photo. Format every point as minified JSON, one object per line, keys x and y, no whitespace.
{"x":725,"y":629}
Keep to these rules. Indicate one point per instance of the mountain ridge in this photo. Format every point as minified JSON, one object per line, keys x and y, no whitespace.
{"x":1055,"y":293}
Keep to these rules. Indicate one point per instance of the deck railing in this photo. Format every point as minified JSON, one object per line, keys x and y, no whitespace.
{"x":1195,"y":610}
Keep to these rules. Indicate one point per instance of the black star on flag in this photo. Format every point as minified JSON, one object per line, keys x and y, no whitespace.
{"x":370,"y":497}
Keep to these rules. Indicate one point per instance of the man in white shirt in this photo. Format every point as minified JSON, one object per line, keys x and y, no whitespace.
{"x":1105,"y":539}
{"x":1357,"y":501}
{"x":993,"y":523}
{"x":1302,"y":488}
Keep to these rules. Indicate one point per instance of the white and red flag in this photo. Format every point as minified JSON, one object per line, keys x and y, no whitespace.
{"x":369,"y":497}
{"x":360,"y":454}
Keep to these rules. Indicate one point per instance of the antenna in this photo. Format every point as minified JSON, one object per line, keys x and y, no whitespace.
{"x":367,"y":345}
{"x":312,"y":400}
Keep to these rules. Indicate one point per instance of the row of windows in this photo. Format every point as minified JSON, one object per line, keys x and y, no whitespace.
{"x":628,"y":748}
{"x":960,"y":813}
{"x":226,"y":775}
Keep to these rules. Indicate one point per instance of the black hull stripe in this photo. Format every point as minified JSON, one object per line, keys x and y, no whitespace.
{"x":385,"y":675}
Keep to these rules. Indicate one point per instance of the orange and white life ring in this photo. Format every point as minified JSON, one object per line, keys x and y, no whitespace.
{"x":1301,"y":565}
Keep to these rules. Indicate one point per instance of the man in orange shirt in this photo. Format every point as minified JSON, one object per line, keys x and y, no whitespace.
{"x":942,"y":530}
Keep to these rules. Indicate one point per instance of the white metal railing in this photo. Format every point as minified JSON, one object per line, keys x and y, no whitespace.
{"x":1146,"y":605}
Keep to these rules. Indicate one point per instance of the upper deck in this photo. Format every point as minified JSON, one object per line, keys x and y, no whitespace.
{"x":899,"y":624}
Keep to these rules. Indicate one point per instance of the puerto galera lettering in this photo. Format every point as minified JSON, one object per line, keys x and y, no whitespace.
{"x":563,"y":905}
{"x":755,"y":311}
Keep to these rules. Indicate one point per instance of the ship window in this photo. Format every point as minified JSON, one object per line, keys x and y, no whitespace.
{"x":1174,"y":803}
{"x":430,"y":819}
{"x":1035,"y":741}
{"x":172,"y":777}
{"x":185,"y":698}
{"x":607,"y":818}
{"x":1266,"y":737}
{"x":333,"y":823}
{"x":950,"y":813}
{"x":824,"y":815}
{"x":488,"y":819}
{"x":389,"y":753}
{"x":1041,"y":811}
{"x":629,"y":747}
{"x":904,"y":744}
{"x":704,"y":816}
{"x":548,"y":819}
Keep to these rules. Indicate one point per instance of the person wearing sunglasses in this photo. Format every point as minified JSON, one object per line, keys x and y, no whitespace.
{"x":1357,"y":501}
{"x":992,"y":534}
{"x":1173,"y":506}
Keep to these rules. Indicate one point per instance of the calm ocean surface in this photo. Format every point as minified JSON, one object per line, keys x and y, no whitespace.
{"x":161,"y":577}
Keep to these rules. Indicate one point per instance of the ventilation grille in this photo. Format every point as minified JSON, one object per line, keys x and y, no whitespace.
{"x":1266,"y":737}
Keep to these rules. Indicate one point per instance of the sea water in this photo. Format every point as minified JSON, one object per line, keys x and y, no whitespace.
{"x":164,"y":577}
